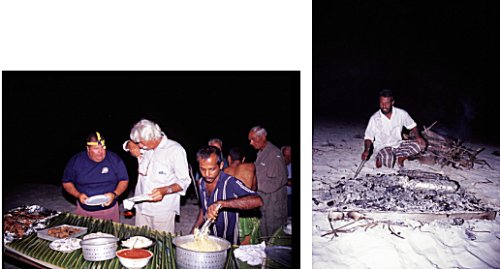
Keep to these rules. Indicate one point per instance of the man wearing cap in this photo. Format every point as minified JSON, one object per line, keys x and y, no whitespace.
{"x":96,"y":171}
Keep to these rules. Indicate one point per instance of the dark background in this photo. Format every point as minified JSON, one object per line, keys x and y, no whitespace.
{"x":441,"y":59}
{"x":48,"y":115}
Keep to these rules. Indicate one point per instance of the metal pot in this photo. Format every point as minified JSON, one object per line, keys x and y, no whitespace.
{"x":187,"y":259}
{"x":99,"y":248}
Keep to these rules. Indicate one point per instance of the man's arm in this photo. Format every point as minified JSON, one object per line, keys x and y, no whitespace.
{"x":71,"y":189}
{"x":418,"y":138}
{"x":243,"y":203}
{"x":198,"y":221}
{"x":158,"y":193}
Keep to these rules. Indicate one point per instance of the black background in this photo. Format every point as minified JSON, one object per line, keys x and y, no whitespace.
{"x":47,"y":115}
{"x":441,"y":59}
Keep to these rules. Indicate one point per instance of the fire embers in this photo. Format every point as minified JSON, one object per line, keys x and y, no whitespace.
{"x":399,"y":192}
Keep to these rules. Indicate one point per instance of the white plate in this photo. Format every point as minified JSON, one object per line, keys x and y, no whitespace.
{"x":97,"y":200}
{"x":140,"y":198}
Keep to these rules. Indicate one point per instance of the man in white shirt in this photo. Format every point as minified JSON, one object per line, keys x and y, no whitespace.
{"x":384,"y":133}
{"x":163,"y":175}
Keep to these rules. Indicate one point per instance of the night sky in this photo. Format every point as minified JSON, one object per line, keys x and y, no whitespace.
{"x":47,"y":115}
{"x":440,"y":58}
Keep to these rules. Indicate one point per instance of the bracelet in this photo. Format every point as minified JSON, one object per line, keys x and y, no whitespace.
{"x":170,"y":190}
{"x":116,"y":195}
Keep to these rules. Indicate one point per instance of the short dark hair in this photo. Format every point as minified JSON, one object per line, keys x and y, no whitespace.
{"x":386,"y":93}
{"x":236,"y":154}
{"x":205,"y":152}
{"x":92,"y":137}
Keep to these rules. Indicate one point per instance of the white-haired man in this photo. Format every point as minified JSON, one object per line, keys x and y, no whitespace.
{"x":271,"y":181}
{"x":163,"y":174}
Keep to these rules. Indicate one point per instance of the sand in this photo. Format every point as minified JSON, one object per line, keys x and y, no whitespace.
{"x":337,"y":148}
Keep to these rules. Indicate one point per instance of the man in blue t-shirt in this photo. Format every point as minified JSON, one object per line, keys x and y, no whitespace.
{"x":96,"y":172}
{"x":220,"y":189}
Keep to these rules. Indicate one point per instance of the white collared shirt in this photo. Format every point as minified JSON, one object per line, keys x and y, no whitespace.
{"x":385,"y":132}
{"x":163,"y":166}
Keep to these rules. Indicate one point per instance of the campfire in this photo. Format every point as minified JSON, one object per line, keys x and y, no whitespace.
{"x":405,"y":191}
{"x":396,"y":200}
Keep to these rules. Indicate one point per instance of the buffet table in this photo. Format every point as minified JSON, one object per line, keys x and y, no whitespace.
{"x":36,"y":253}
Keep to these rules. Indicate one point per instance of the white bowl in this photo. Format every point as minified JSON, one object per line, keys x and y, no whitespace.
{"x":129,"y":259}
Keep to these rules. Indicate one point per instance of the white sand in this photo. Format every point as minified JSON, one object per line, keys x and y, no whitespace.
{"x":337,"y":151}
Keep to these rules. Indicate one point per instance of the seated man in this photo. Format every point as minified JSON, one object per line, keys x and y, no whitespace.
{"x":384,"y":133}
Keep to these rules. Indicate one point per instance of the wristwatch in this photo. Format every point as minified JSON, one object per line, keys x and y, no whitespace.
{"x":170,"y":190}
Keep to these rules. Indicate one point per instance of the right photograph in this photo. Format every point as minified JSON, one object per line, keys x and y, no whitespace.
{"x":405,"y":159}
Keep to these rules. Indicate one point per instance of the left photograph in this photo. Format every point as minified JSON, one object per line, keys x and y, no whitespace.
{"x":151,"y":169}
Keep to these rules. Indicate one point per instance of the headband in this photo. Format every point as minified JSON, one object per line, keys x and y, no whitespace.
{"x":99,"y":141}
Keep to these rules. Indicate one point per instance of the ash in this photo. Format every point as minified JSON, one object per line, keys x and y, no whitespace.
{"x":408,"y":191}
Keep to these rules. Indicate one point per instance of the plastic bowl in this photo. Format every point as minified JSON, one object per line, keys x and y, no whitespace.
{"x":134,"y":258}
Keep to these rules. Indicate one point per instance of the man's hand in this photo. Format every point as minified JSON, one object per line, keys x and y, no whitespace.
{"x":365,"y":155}
{"x":82,"y":198}
{"x":111,"y":198}
{"x":134,"y":149}
{"x":421,"y":142}
{"x":213,"y":210}
{"x":157,"y":194}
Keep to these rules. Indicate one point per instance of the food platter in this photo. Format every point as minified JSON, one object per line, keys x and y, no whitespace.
{"x":61,"y":232}
{"x":97,"y":200}
{"x":20,"y":222}
{"x":66,"y":245}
